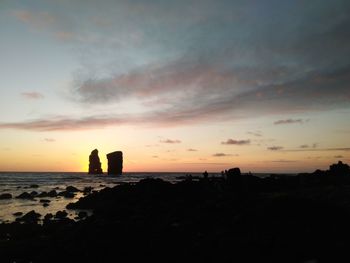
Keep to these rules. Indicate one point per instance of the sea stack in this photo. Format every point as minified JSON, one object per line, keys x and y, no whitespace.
{"x":115,"y":163}
{"x":94,"y":163}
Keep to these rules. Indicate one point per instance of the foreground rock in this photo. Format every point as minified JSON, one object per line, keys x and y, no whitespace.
{"x":275,"y":219}
{"x":94,"y":163}
{"x":30,"y":217}
{"x":25,"y":195}
{"x":5,"y":196}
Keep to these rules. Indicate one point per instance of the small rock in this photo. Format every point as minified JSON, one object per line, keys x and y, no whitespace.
{"x":34,"y":186}
{"x":66,"y":194}
{"x":5,"y":196}
{"x":61,"y":214}
{"x":34,"y":193}
{"x":72,"y":189}
{"x":82,"y":214}
{"x":48,"y":216}
{"x":52,"y":193}
{"x":46,"y":204}
{"x":18,"y":214}
{"x":44,"y":201}
{"x":25,"y":195}
{"x":30,"y":217}
{"x":42,"y":194}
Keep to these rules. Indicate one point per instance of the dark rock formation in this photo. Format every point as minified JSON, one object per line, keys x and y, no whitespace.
{"x":25,"y":195}
{"x":61,"y":214}
{"x":115,"y":163}
{"x":30,"y":217}
{"x":94,"y":163}
{"x":5,"y":196}
{"x":339,"y":169}
{"x":72,"y":189}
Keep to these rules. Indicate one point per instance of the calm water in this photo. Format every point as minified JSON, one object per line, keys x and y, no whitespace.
{"x":16,"y":183}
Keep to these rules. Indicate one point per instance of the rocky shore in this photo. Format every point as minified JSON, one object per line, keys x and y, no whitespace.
{"x":234,"y":218}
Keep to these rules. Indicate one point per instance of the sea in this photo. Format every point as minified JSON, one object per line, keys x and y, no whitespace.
{"x":15,"y":183}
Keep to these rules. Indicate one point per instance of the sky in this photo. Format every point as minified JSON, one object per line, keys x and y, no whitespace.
{"x":182,"y":86}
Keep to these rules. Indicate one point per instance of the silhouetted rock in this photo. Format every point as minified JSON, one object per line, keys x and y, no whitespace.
{"x":42,"y":194}
{"x":25,"y":195}
{"x":30,"y":217}
{"x":66,"y":194}
{"x":6,"y":196}
{"x":339,"y":169}
{"x":18,"y":214}
{"x":94,"y":163}
{"x":82,"y":214}
{"x":87,"y":190}
{"x":34,"y":186}
{"x":33,"y":193}
{"x":52,"y":193}
{"x":48,"y":216}
{"x":61,"y":214}
{"x":115,"y":163}
{"x":72,"y":189}
{"x":44,"y":201}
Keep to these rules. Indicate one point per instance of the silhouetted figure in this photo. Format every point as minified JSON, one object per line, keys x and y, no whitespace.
{"x":115,"y":163}
{"x":205,"y":175}
{"x":339,"y":169}
{"x":94,"y":163}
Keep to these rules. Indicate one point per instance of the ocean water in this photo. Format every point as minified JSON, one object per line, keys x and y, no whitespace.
{"x":16,"y":183}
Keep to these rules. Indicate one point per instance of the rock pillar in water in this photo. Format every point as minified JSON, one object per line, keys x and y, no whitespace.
{"x":115,"y":162}
{"x":94,"y":163}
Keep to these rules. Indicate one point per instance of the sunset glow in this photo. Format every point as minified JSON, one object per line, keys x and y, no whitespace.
{"x":184,"y":86}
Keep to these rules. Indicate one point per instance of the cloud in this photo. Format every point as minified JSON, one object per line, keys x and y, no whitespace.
{"x":345,"y":149}
{"x":236,"y":142}
{"x":221,"y":154}
{"x":49,"y":140}
{"x":275,"y":148}
{"x":36,"y":19}
{"x":170,"y":141}
{"x":192,"y":150}
{"x":339,"y":156}
{"x":289,"y":121}
{"x":306,"y":146}
{"x":259,"y":64}
{"x":32,"y":95}
{"x":255,"y":133}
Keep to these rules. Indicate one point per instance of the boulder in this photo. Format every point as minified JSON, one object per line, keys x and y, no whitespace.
{"x":82,"y":214}
{"x":66,"y":194}
{"x":5,"y":196}
{"x":115,"y":163}
{"x":52,"y":193}
{"x":72,"y":189}
{"x":25,"y":195}
{"x":18,"y":214}
{"x":94,"y":163}
{"x":61,"y":214}
{"x":30,"y":217}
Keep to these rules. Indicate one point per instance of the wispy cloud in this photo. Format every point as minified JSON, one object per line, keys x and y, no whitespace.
{"x":236,"y":142}
{"x":49,"y":140}
{"x":289,"y":121}
{"x":339,"y":156}
{"x":221,"y":154}
{"x":32,"y":95}
{"x":170,"y":141}
{"x":255,"y":133}
{"x":192,"y":150}
{"x":306,"y":146}
{"x":275,"y":148}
